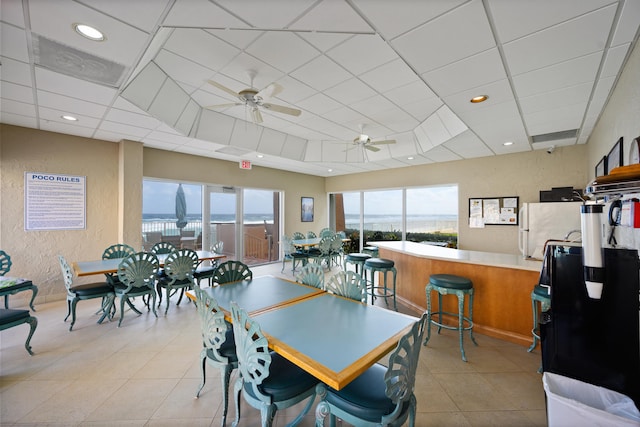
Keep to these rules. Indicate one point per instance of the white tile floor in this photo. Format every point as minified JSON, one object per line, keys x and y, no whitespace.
{"x":146,"y":374}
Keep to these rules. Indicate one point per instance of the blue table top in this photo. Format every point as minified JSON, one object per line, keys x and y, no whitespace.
{"x":260,"y":294}
{"x":333,"y":338}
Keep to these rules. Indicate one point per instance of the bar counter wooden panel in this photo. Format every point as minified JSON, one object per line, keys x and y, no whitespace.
{"x":502,"y":296}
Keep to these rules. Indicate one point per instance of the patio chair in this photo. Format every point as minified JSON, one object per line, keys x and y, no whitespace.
{"x":119,"y":250}
{"x":267,"y":380}
{"x":348,"y":284}
{"x":12,"y":317}
{"x":219,"y":347}
{"x":311,"y":274}
{"x":380,"y":395}
{"x":291,"y":253}
{"x":232,"y":271}
{"x":75,"y":293}
{"x":205,"y":269}
{"x":137,"y":275}
{"x":178,"y":267}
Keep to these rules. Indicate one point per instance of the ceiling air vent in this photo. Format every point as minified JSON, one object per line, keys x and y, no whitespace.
{"x":233,"y":151}
{"x":76,"y":63}
{"x":554,"y":136}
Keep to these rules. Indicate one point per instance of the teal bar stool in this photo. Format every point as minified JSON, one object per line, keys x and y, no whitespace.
{"x":540,"y":301}
{"x":383,"y":266}
{"x":446,"y":284}
{"x":357,"y":259}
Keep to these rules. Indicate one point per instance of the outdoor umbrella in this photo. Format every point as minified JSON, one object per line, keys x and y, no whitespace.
{"x":181,"y":208}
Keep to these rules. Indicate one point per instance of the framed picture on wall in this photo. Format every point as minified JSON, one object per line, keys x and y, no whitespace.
{"x":614,"y":158}
{"x":307,"y":209}
{"x":601,"y":167}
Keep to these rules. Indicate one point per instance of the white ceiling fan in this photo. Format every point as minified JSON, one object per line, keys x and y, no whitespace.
{"x":366,"y":143}
{"x":254,"y":99}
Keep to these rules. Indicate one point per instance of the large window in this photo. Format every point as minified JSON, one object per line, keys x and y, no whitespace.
{"x":426,"y":214}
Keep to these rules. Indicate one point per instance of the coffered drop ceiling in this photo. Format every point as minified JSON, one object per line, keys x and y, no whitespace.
{"x":403,"y":70}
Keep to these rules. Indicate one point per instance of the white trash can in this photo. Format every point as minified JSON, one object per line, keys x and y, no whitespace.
{"x":573,"y":403}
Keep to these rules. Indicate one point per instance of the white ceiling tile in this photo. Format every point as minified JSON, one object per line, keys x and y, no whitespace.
{"x":142,"y":90}
{"x":115,"y":136}
{"x":416,"y":91}
{"x":15,"y":71}
{"x":18,"y":120}
{"x":455,"y":35}
{"x":11,"y":12}
{"x":187,"y":120}
{"x":394,"y":18}
{"x":132,"y":131}
{"x":345,"y":115}
{"x":390,"y":76}
{"x":451,"y":122}
{"x":474,"y":71}
{"x":372,"y":105}
{"x":55,"y":19}
{"x":350,"y":91}
{"x":54,"y":115}
{"x":467,"y":146}
{"x":324,"y":41}
{"x":321,"y":73}
{"x":201,"y":13}
{"x":517,"y":18}
{"x":240,"y":39}
{"x":69,"y":129}
{"x":494,"y":114}
{"x":627,"y":24}
{"x":13,"y":42}
{"x":581,"y":36}
{"x":441,"y":154}
{"x":555,"y":120}
{"x":423,"y":108}
{"x":131,"y":118}
{"x":172,"y":138}
{"x":362,"y":53}
{"x":319,"y":104}
{"x":73,"y":87}
{"x":70,"y":105}
{"x":294,"y":148}
{"x":557,"y":76}
{"x":498,"y":93}
{"x":215,"y":127}
{"x":271,"y":142}
{"x":600,"y":97}
{"x":276,"y":47}
{"x":122,"y":104}
{"x":143,"y":14}
{"x":200,"y":47}
{"x":20,"y":108}
{"x":613,"y":60}
{"x":181,"y":69}
{"x":577,"y":94}
{"x":244,"y":64}
{"x":276,"y":14}
{"x":331,"y":15}
{"x":435,"y":129}
{"x":16,"y":92}
{"x":169,"y":103}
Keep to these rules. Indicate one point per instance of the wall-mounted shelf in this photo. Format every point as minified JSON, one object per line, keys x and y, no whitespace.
{"x":612,"y":188}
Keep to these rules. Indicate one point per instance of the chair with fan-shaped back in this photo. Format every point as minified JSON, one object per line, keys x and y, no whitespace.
{"x":13,"y":285}
{"x":205,"y":269}
{"x":137,"y":275}
{"x":291,"y":253}
{"x":380,"y":396}
{"x":119,"y":250}
{"x":323,"y":252}
{"x":337,"y":251}
{"x":298,"y":236}
{"x":311,"y":274}
{"x":219,"y":347}
{"x":161,"y":248}
{"x":326,"y":232}
{"x":311,"y":235}
{"x":178,"y":267}
{"x":232,"y":271}
{"x":85,"y":291}
{"x":348,"y":284}
{"x":5,"y":263}
{"x":267,"y":380}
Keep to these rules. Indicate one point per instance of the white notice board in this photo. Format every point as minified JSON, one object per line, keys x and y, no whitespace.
{"x":54,"y":201}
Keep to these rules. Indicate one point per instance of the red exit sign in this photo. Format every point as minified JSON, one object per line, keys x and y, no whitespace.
{"x":245,"y":164}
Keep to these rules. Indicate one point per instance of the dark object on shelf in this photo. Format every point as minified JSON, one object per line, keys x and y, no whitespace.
{"x":560,"y":194}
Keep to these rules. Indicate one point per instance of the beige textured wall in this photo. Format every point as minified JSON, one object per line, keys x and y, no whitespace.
{"x":522,"y":175}
{"x":34,"y":253}
{"x":621,"y":117}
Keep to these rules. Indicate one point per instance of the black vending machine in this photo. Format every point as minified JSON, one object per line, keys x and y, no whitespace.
{"x":593,"y":340}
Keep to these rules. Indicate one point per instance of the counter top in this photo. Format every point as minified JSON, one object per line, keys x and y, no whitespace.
{"x":491,"y":259}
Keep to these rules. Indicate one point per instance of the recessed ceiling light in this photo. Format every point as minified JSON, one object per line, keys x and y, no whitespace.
{"x":409,"y":158}
{"x":480,"y":98}
{"x":89,"y":32}
{"x":70,"y":118}
{"x":507,"y":143}
{"x":329,"y":170}
{"x":260,"y":156}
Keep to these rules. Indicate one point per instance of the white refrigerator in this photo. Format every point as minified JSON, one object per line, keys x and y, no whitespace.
{"x":541,"y":222}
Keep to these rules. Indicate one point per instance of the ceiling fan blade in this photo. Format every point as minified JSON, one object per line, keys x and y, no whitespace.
{"x":388,"y":141}
{"x":256,"y":116}
{"x":270,"y":91}
{"x":370,"y":148}
{"x":223,"y":88}
{"x":282,"y":109}
{"x":232,"y":104}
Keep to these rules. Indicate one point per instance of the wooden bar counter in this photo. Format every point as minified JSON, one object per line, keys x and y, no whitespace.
{"x":502,"y":285}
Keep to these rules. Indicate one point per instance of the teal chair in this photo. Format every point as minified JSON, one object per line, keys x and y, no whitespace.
{"x":206,"y":269}
{"x":161,"y":248}
{"x":311,"y":274}
{"x":75,"y":293}
{"x":298,"y":236}
{"x":136,"y":278}
{"x":323,"y":252}
{"x":326,"y":232}
{"x":267,"y":381}
{"x":347,"y":284}
{"x":311,"y":235}
{"x":11,"y":317}
{"x":291,"y":253}
{"x":336,"y":250}
{"x":219,"y":347}
{"x":13,"y":285}
{"x":178,"y":267}
{"x":119,"y":250}
{"x":380,"y":396}
{"x":232,"y":271}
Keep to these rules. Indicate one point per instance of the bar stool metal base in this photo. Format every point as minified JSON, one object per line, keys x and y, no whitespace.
{"x":464,"y":323}
{"x":539,"y":297}
{"x":383,"y":266}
